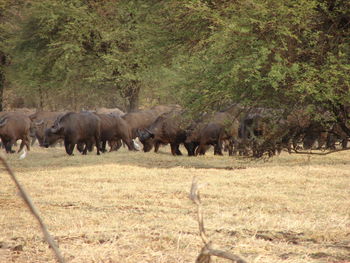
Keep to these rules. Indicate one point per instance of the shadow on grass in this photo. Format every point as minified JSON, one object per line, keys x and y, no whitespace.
{"x":56,"y":158}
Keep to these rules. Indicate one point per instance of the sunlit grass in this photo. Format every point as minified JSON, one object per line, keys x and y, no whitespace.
{"x":134,"y":207}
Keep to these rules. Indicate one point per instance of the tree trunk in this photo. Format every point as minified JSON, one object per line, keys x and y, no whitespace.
{"x":2,"y":79}
{"x":41,"y":99}
{"x":133,"y":98}
{"x":2,"y":85}
{"x":341,"y":115}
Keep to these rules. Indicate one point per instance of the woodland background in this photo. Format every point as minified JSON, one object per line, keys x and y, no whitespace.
{"x":201,"y":54}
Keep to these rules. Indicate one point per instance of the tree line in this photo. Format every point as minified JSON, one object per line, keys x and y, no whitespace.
{"x":201,"y":54}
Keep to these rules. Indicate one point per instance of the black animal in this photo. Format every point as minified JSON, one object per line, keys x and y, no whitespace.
{"x":75,"y":128}
{"x":167,"y":128}
{"x":139,"y":120}
{"x":114,"y":129}
{"x":15,"y":126}
{"x":42,"y":121}
{"x":216,"y":129}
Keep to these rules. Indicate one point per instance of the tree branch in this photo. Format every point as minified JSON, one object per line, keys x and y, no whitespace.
{"x":208,"y":250}
{"x":34,"y":211}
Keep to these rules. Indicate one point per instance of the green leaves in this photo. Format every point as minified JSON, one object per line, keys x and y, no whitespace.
{"x":201,"y":54}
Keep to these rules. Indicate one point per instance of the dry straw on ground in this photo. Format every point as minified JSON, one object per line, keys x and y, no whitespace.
{"x":208,"y":249}
{"x":134,"y":207}
{"x":28,"y":201}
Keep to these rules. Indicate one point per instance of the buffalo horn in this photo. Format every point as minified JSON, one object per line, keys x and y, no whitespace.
{"x":39,"y":122}
{"x":147,"y":130}
{"x":3,"y":122}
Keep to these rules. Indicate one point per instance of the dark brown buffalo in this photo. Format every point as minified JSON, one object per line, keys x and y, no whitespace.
{"x":142,"y":119}
{"x":336,"y":134}
{"x":271,"y":130}
{"x":13,"y":127}
{"x":167,"y":128}
{"x":75,"y":128}
{"x":43,"y":121}
{"x":114,"y":129}
{"x":216,"y":129}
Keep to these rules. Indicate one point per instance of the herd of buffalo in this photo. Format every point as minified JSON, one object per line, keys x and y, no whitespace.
{"x":237,"y":129}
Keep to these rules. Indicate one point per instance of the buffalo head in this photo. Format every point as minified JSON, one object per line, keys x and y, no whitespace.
{"x":52,"y":135}
{"x":144,"y":135}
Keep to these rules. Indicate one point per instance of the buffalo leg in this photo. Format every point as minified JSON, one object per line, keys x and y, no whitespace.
{"x":97,"y":142}
{"x":119,"y":144}
{"x":156,"y":147}
{"x":80,"y":147}
{"x":130,"y":144}
{"x":103,"y":146}
{"x":191,"y":148}
{"x":69,"y":147}
{"x":8,"y":146}
{"x":115,"y":145}
{"x":175,"y":149}
{"x":232,"y":149}
{"x":218,"y":149}
{"x":112,"y":145}
{"x":89,"y":146}
{"x":33,"y":141}
{"x":21,"y":146}
{"x":178,"y":152}
{"x":344,"y":143}
{"x":201,"y":149}
{"x":85,"y":149}
{"x":25,"y":142}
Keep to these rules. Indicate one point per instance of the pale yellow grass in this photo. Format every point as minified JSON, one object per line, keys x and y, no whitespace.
{"x":134,"y":207}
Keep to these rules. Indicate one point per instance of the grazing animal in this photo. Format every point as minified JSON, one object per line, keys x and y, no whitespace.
{"x":42,"y":122}
{"x":165,"y":129}
{"x":14,"y":126}
{"x":139,"y":120}
{"x":216,"y":129}
{"x":114,"y":129}
{"x":75,"y":128}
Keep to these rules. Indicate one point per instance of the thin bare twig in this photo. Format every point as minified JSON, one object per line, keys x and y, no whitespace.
{"x":34,"y":211}
{"x":208,"y":250}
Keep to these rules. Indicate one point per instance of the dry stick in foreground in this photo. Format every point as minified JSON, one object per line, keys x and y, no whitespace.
{"x":34,"y":211}
{"x":208,"y":250}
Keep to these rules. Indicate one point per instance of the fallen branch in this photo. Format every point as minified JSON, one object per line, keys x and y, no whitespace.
{"x":208,"y":250}
{"x":323,"y":153}
{"x":34,"y":211}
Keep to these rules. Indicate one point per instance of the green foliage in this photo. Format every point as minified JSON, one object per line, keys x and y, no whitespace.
{"x":80,"y":51}
{"x":201,"y":54}
{"x":274,"y":54}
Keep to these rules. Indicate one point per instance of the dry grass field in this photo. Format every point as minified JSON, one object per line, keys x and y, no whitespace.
{"x":133,"y":207}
